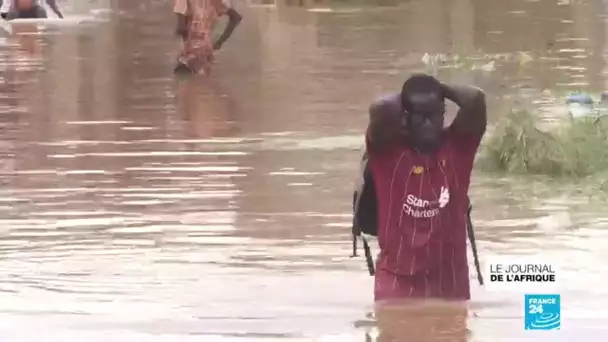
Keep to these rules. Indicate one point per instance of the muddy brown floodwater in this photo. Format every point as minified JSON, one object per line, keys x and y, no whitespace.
{"x":136,"y":208}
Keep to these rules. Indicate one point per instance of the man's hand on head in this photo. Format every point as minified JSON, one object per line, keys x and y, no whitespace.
{"x":387,"y":123}
{"x":472,"y":116}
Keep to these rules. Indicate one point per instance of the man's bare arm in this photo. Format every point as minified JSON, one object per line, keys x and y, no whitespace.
{"x":181,"y":9}
{"x":53,"y":5}
{"x":385,"y":124}
{"x":472,"y":116}
{"x":181,"y":25}
{"x":234,"y":18}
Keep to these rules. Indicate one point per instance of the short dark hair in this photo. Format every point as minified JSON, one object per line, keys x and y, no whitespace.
{"x":420,"y":84}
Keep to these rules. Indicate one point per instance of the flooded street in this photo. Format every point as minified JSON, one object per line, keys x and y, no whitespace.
{"x":138,"y":208}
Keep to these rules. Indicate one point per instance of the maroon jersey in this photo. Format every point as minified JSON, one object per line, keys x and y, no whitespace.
{"x":422,"y":207}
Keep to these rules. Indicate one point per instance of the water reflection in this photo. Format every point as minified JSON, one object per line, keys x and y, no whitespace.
{"x":420,"y":322}
{"x":219,"y":207}
{"x":206,"y":108}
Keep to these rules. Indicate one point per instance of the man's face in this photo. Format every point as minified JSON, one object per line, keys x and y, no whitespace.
{"x":424,"y":119}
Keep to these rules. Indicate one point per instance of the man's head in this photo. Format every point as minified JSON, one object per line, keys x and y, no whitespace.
{"x":422,"y":100}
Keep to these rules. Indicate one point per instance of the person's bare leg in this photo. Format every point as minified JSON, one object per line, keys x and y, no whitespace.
{"x":181,"y":30}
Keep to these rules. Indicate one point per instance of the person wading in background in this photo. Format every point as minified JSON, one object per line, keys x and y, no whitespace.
{"x":29,"y":9}
{"x":195,"y":22}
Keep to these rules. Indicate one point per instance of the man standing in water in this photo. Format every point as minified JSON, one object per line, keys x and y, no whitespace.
{"x":29,"y":9}
{"x":421,"y":173}
{"x":195,"y":22}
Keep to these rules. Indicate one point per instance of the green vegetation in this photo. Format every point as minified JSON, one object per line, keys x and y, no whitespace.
{"x":577,"y":149}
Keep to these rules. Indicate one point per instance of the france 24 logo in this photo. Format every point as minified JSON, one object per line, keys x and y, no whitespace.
{"x":542,"y":312}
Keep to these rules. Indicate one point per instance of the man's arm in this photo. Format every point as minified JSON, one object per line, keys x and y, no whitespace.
{"x":53,"y":5}
{"x":385,"y":124}
{"x":471,"y":119}
{"x":234,"y":18}
{"x":180,"y":9}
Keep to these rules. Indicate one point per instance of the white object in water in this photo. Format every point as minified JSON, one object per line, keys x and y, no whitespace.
{"x":554,"y":221}
{"x":578,"y":110}
{"x":490,"y":66}
{"x":432,"y":60}
{"x":426,"y":59}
